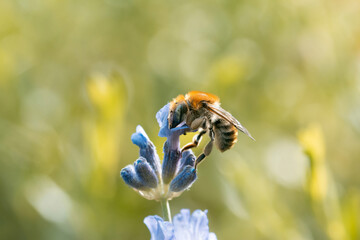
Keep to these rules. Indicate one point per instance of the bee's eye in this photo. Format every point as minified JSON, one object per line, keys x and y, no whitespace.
{"x":178,"y":110}
{"x":179,"y":115}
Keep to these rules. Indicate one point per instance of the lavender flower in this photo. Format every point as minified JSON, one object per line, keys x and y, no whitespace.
{"x":147,"y":176}
{"x":183,"y":227}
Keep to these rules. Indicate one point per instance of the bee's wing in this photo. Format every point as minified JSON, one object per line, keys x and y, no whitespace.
{"x":228,"y":117}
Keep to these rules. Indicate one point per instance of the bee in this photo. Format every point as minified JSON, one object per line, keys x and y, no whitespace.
{"x":201,"y":111}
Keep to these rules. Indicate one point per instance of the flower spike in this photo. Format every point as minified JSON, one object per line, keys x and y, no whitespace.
{"x":153,"y":180}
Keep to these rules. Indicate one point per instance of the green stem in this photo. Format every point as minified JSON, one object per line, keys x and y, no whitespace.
{"x":165,"y":207}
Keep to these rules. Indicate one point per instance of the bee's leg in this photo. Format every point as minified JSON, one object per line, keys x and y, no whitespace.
{"x":196,"y":124}
{"x":207,"y":149}
{"x":195,"y":142}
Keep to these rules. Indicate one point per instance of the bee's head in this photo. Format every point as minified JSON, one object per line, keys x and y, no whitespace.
{"x":177,"y":113}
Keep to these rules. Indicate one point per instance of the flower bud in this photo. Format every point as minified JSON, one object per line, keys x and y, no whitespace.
{"x":145,"y":173}
{"x":170,"y":163}
{"x":183,"y":180}
{"x":187,"y":159}
{"x":147,"y":148}
{"x":129,"y":176}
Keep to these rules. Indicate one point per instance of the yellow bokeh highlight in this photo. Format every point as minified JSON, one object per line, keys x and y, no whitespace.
{"x":107,"y":96}
{"x":320,"y":183}
{"x":229,"y":70}
{"x":312,"y":140}
{"x":7,"y":66}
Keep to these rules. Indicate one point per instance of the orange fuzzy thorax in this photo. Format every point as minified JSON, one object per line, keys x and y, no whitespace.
{"x":196,"y":97}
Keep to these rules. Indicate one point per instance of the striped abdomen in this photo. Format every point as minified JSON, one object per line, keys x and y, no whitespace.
{"x":225,"y":134}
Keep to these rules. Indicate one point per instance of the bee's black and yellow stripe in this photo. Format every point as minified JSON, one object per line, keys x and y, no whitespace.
{"x":225,"y":134}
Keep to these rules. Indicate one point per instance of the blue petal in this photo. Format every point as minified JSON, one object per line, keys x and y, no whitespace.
{"x":129,"y":176}
{"x":184,"y":179}
{"x":212,"y":236}
{"x":188,"y":227}
{"x":147,"y":148}
{"x":181,"y":223}
{"x":140,"y":137}
{"x":162,"y":118}
{"x":145,"y":173}
{"x":159,"y":229}
{"x":200,"y":224}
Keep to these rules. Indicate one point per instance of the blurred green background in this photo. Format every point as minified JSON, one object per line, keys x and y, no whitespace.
{"x":77,"y":77}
